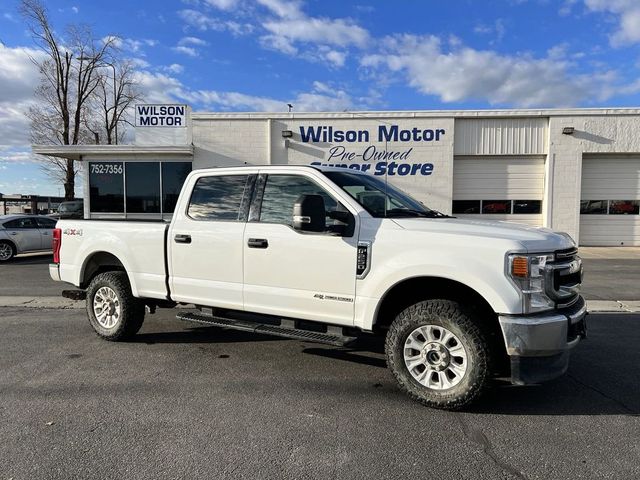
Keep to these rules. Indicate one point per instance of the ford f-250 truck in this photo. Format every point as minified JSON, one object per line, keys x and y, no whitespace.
{"x":326,"y":254}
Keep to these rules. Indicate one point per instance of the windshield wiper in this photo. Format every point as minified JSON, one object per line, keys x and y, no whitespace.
{"x":408,"y":212}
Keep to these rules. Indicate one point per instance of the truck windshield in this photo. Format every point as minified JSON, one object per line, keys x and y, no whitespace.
{"x":379,"y":198}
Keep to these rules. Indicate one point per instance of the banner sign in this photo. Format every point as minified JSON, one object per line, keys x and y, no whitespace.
{"x":377,"y":159}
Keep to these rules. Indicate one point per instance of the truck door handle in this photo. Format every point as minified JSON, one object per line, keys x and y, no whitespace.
{"x":257,"y":243}
{"x":179,"y":238}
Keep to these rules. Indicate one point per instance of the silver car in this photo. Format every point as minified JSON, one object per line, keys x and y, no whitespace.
{"x":24,"y":234}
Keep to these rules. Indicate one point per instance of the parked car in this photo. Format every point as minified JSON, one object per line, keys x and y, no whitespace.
{"x":24,"y":234}
{"x":71,"y":209}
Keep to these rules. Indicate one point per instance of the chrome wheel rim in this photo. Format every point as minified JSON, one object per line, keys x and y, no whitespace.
{"x":435,"y":357}
{"x":6,"y":252}
{"x":106,"y":307}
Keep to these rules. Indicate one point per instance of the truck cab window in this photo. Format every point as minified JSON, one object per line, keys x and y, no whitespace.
{"x":218,"y":197}
{"x":281,"y":193}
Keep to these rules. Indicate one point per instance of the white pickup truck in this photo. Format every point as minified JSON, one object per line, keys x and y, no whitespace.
{"x":328,"y":254}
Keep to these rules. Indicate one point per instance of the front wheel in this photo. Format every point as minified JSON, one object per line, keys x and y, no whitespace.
{"x":114,"y":313}
{"x":438,"y":354}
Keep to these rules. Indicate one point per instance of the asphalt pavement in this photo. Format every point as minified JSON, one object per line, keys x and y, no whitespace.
{"x":200,"y":402}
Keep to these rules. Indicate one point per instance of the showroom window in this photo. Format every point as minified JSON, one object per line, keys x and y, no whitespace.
{"x":610,"y":207}
{"x":106,"y":187}
{"x":143,"y":187}
{"x":504,"y":207}
{"x":173,"y":176}
{"x":136,"y":189}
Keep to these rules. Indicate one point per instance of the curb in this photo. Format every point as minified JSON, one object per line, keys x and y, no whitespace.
{"x":613,"y":306}
{"x":41,"y":302}
{"x":593,"y":306}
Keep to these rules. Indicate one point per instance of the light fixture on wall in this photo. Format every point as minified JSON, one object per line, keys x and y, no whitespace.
{"x":287,"y":134}
{"x":568,"y":130}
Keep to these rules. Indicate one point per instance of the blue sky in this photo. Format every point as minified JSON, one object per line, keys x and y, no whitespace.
{"x":327,"y":55}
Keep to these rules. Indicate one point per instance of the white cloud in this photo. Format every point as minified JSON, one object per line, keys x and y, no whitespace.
{"x":189,"y":51}
{"x":204,"y":22}
{"x":19,"y":78}
{"x":192,"y":41}
{"x":158,"y":87}
{"x":463,"y":73}
{"x":289,"y":26}
{"x":628,"y":12}
{"x":75,"y":9}
{"x":224,"y":4}
{"x":284,"y":8}
{"x":16,"y":155}
{"x":339,"y":32}
{"x":175,"y":68}
{"x":130,"y":45}
{"x":335,"y":57}
{"x":313,"y":101}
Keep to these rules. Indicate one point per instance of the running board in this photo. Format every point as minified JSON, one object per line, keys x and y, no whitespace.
{"x":333,"y":336}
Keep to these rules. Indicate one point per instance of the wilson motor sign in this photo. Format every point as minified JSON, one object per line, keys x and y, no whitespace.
{"x":369,"y":150}
{"x":161,"y":116}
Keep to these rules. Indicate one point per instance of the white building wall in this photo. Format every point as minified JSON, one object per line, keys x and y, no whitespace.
{"x":230,"y":142}
{"x":606,"y":133}
{"x":501,"y":136}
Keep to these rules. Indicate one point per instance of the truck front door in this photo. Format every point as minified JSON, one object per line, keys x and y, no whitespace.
{"x":301,"y":275}
{"x":205,"y":242}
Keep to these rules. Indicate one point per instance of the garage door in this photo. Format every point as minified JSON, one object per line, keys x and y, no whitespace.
{"x":610,"y":200}
{"x":499,"y":188}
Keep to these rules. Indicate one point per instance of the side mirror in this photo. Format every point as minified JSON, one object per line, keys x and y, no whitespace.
{"x":309,"y":214}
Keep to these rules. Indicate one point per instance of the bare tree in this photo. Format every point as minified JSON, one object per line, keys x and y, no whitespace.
{"x":69,"y":78}
{"x":114,"y":95}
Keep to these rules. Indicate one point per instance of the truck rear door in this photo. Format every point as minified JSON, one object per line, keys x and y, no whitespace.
{"x":205,"y":245}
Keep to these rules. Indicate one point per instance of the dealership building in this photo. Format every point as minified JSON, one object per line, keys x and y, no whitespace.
{"x":576,"y":171}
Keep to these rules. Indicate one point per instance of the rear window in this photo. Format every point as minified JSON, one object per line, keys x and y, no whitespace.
{"x":20,"y":223}
{"x":46,"y":223}
{"x":218,"y":198}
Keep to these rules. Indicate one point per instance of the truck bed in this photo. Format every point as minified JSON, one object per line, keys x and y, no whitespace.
{"x":140,"y":246}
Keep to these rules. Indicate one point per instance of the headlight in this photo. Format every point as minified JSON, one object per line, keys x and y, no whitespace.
{"x":527,"y":272}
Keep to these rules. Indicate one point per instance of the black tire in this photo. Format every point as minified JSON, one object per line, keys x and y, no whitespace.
{"x":14,"y":252}
{"x":131,"y":309}
{"x":451,"y":316}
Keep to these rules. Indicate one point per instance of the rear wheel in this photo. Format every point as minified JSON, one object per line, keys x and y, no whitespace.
{"x":438,"y":354}
{"x":114,"y":313}
{"x":7,"y":251}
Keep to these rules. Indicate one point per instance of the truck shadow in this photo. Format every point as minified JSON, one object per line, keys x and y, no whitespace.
{"x":603,"y":377}
{"x":204,"y":334}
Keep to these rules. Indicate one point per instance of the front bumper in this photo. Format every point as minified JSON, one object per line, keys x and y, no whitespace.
{"x":539,"y":345}
{"x":54,"y":272}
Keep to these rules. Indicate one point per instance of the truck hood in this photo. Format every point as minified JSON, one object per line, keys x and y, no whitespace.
{"x":533,"y":239}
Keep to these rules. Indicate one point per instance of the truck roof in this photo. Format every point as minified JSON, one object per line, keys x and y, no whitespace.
{"x":321,"y":168}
